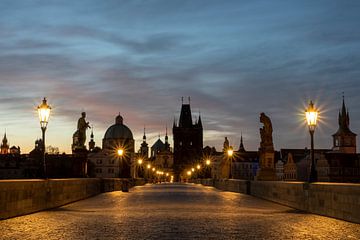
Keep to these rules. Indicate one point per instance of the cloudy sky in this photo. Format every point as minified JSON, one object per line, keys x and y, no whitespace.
{"x":235,"y":59}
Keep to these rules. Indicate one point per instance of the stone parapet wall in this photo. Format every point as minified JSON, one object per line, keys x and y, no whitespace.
{"x":19,"y":197}
{"x":338,"y":200}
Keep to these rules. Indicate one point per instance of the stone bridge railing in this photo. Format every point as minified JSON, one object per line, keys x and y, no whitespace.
{"x":338,"y":200}
{"x":19,"y":197}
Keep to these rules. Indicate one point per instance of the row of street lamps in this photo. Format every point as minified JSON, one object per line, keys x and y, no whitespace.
{"x":311,"y":115}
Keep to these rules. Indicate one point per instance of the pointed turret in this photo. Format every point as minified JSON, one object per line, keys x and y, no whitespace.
{"x":241,"y":148}
{"x":167,"y":145}
{"x":199,"y":123}
{"x":4,"y":141}
{"x":92,"y":142}
{"x":344,"y":140}
{"x":144,"y":148}
{"x":144,"y":136}
{"x":4,"y":145}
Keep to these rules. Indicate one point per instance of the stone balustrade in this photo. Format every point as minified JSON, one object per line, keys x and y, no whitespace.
{"x":19,"y":197}
{"x":338,"y":200}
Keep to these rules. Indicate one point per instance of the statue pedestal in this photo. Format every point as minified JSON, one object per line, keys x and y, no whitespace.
{"x":266,"y":171}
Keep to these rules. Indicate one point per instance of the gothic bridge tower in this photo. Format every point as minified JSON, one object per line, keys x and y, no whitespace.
{"x":188,"y":140}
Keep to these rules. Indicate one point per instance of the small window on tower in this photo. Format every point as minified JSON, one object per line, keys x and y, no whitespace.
{"x":180,"y":143}
{"x":190,"y":143}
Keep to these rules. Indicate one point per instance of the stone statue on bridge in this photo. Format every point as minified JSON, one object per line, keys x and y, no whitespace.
{"x":79,"y":137}
{"x":266,"y":169}
{"x":266,"y":133}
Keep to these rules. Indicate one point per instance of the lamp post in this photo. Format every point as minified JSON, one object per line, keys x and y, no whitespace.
{"x":230,"y":153}
{"x":311,"y":117}
{"x":44,"y":114}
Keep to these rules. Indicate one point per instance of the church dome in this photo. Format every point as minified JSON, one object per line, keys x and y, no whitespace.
{"x":118,"y":130}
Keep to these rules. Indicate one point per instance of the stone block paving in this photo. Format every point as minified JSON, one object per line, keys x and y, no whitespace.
{"x":175,"y":211}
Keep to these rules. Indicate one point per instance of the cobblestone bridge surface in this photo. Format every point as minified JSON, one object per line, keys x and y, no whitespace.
{"x":175,"y":211}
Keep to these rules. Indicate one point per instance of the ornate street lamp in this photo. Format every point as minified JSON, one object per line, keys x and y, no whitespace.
{"x":44,"y":114}
{"x":311,"y":117}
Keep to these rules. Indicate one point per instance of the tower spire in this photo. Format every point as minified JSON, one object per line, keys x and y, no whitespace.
{"x":241,"y":148}
{"x":144,"y":136}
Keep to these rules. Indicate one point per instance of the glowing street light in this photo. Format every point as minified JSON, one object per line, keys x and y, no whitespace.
{"x":149,"y":166}
{"x":120,"y":152}
{"x":44,"y":115}
{"x":230,"y":152}
{"x":311,"y":115}
{"x":198,"y":167}
{"x":208,"y":162}
{"x":189,"y":173}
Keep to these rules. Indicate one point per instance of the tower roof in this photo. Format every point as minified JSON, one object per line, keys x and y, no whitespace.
{"x":344,"y":121}
{"x":241,"y":148}
{"x":185,"y":116}
{"x":118,"y":130}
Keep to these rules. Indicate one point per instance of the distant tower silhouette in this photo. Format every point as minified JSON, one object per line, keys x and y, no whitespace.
{"x":241,"y":148}
{"x":344,"y":140}
{"x":167,"y":145}
{"x":4,"y":145}
{"x":188,"y":140}
{"x":144,"y":149}
{"x":91,"y":142}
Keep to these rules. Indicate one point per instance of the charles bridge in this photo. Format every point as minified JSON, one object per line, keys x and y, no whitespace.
{"x":204,"y":209}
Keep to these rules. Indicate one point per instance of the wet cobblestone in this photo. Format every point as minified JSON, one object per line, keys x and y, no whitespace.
{"x":175,"y":211}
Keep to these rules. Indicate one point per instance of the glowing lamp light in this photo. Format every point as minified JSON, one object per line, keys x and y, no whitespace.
{"x":198,"y":166}
{"x":188,"y":173}
{"x":192,"y":169}
{"x":149,"y":166}
{"x":230,"y":152}
{"x":311,"y":115}
{"x":44,"y":113}
{"x":120,"y":151}
{"x":140,"y":161}
{"x":208,"y":162}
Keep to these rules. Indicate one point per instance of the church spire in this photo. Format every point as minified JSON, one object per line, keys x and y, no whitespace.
{"x":166,"y":136}
{"x":92,"y":142}
{"x":4,"y":141}
{"x":344,"y":120}
{"x":144,"y":137}
{"x":344,"y":140}
{"x":241,"y":148}
{"x":199,"y":123}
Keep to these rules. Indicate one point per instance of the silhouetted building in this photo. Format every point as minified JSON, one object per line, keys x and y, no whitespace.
{"x":4,"y":148}
{"x":107,"y":162}
{"x":144,"y":148}
{"x":161,"y":155}
{"x":245,"y":163}
{"x":344,"y":140}
{"x":188,"y":140}
{"x":91,"y":142}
